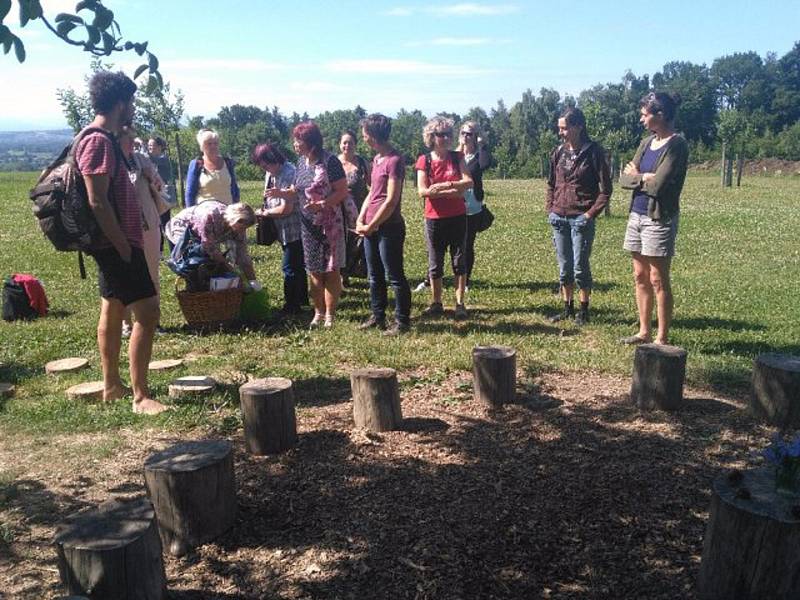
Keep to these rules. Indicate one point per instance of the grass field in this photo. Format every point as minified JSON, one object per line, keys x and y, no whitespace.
{"x":556,"y":497}
{"x":736,"y":267}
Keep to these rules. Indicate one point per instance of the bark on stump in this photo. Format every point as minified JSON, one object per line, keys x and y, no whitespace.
{"x":658,"y":375}
{"x":494,"y":374}
{"x":112,"y":551}
{"x":270,"y":426}
{"x":376,"y":399}
{"x":775,"y":395}
{"x":751,"y":541}
{"x":193,"y":490}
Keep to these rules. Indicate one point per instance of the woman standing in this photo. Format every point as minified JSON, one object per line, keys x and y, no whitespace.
{"x":578,"y":189}
{"x":442,"y":177}
{"x":656,"y":175}
{"x":357,"y":171}
{"x":381,"y":223}
{"x":211,"y":176}
{"x":321,"y":187}
{"x":477,"y":158}
{"x":280,"y":204}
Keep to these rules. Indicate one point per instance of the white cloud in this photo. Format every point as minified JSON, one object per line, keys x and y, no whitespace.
{"x":401,"y":67}
{"x":464,"y":9}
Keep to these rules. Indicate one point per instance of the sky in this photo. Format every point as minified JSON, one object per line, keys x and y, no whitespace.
{"x":313,"y":56}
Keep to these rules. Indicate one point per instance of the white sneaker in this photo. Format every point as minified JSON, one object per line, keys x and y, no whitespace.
{"x":421,"y":287}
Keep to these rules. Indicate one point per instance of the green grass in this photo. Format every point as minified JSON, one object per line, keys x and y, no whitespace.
{"x":733,"y":277}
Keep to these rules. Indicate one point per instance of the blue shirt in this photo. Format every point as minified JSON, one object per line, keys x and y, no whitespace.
{"x":646,"y":165}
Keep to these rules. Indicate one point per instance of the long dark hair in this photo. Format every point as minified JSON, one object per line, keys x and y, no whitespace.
{"x":574,"y":117}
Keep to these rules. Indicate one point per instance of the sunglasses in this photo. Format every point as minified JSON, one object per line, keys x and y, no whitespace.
{"x":443,"y":133}
{"x":467,"y":133}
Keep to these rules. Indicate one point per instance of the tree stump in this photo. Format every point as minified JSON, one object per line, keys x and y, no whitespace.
{"x":112,"y":551}
{"x":65,"y":365}
{"x":193,"y":491}
{"x":270,"y":426}
{"x":658,"y":375}
{"x":164,"y":365}
{"x":751,"y":542}
{"x":191,"y":385}
{"x":7,"y":390}
{"x":376,"y":399}
{"x":90,"y":390}
{"x":494,"y":374}
{"x":775,"y":394}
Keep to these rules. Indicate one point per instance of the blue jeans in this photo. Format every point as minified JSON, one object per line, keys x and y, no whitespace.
{"x":573,"y":237}
{"x":295,"y":282}
{"x":384,"y":253}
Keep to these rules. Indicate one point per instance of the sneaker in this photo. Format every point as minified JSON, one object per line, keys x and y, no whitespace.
{"x":397,"y":329}
{"x":328,"y":321}
{"x":434,"y":310}
{"x":461,"y":312}
{"x":582,"y":318}
{"x":421,"y":287}
{"x":373,"y":323}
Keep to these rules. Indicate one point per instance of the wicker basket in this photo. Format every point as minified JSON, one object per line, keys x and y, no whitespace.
{"x":209,"y":308}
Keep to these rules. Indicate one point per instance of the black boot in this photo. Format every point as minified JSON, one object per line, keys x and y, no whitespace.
{"x":582,"y":318}
{"x":569,"y":313}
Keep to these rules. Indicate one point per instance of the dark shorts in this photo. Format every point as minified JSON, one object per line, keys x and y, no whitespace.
{"x":118,"y":280}
{"x":442,"y":235}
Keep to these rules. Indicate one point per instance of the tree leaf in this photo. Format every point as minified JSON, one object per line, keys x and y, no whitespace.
{"x":102,"y":18}
{"x":68,"y":17}
{"x":108,"y":43}
{"x":139,"y":70}
{"x":128,"y":45}
{"x":65,"y":27}
{"x":24,"y":16}
{"x":153,"y":62}
{"x":94,"y":34}
{"x":5,"y":6}
{"x":35,"y":9}
{"x":19,"y":49}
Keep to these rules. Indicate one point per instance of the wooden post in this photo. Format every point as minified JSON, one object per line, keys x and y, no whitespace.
{"x":494,"y":374}
{"x":193,"y":490}
{"x":723,"y":165}
{"x":658,"y":375}
{"x":751,"y":541}
{"x":729,"y":171}
{"x":775,"y":391}
{"x":376,"y":399}
{"x":270,"y":425}
{"x":112,"y":551}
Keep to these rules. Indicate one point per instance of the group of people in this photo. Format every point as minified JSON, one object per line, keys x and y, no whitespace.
{"x":323,"y":202}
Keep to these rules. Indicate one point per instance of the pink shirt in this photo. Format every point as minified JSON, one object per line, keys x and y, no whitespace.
{"x":389,"y":167}
{"x":95,"y":156}
{"x":441,"y":171}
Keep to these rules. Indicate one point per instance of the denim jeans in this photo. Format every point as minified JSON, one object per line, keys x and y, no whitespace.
{"x":573,"y":237}
{"x":384,"y":254}
{"x":295,"y":282}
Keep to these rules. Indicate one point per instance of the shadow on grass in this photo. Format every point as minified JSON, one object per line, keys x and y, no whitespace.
{"x":717,"y":323}
{"x":321,"y":391}
{"x":14,"y":372}
{"x":476,"y":325}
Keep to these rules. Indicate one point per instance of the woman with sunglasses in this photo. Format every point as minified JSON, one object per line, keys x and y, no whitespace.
{"x":477,"y":158}
{"x":442,"y":178}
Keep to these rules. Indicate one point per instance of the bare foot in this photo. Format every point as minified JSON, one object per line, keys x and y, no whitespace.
{"x":660,"y":342}
{"x":148,"y":406}
{"x":115,"y":392}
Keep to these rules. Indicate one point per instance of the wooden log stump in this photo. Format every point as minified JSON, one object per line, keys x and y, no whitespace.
{"x":7,"y":390}
{"x":659,"y":371}
{"x":751,"y":541}
{"x":165,"y":364}
{"x":65,"y":365}
{"x":270,"y":426}
{"x":376,"y":399}
{"x":90,"y":390}
{"x":494,"y":374}
{"x":112,"y":551}
{"x":193,"y":490}
{"x":191,"y":385}
{"x":775,"y":393}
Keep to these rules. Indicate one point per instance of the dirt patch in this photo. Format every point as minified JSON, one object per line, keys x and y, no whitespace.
{"x":764,"y":166}
{"x":569,"y":493}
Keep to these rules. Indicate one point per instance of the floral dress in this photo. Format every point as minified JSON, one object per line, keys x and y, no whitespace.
{"x":322,"y":232}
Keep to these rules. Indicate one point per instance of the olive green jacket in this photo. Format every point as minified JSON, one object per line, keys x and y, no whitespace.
{"x":664,"y":189}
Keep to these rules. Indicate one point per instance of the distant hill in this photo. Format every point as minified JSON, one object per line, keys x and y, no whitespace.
{"x":31,"y":150}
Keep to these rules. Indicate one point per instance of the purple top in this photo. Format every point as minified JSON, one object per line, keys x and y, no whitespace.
{"x":388,"y":167}
{"x":647,"y":165}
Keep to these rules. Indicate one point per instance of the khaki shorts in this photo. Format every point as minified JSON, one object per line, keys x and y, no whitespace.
{"x":649,"y":237}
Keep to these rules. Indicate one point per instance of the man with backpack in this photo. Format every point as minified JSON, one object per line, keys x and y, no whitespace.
{"x":123,"y":277}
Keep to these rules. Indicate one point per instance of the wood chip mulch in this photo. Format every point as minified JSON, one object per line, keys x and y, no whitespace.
{"x":569,"y":493}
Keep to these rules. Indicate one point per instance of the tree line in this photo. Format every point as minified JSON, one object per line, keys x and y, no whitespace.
{"x":749,"y":103}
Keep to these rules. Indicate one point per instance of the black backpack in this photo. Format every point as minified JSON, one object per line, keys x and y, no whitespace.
{"x":61,"y":204}
{"x":16,"y":304}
